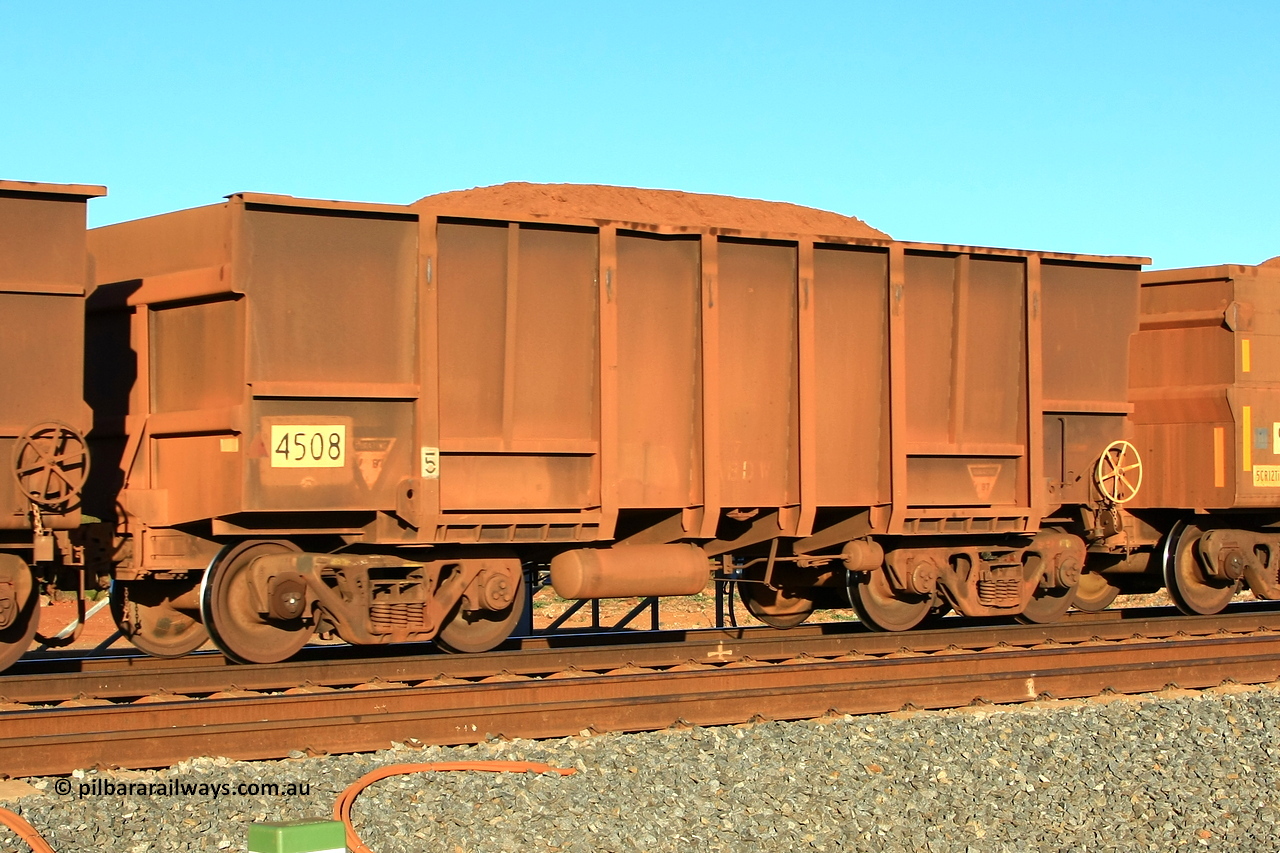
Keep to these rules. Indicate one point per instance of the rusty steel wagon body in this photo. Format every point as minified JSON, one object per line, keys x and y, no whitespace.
{"x":1205,"y":386}
{"x":43,"y":415}
{"x":374,"y":420}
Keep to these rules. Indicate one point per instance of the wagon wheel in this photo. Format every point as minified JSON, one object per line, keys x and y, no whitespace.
{"x":1095,"y":592}
{"x":19,"y":613}
{"x":480,"y":630}
{"x":779,"y":608}
{"x":146,"y":616}
{"x":1118,"y":474}
{"x":881,"y":608}
{"x":50,"y":463}
{"x":1191,"y":589}
{"x":1048,"y":605}
{"x":940,"y":608}
{"x":230,"y":612}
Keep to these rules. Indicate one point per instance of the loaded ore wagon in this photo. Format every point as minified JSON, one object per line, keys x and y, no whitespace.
{"x":378,"y":421}
{"x":43,"y":415}
{"x":1205,"y":386}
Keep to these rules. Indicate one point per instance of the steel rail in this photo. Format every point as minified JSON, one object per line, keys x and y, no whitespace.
{"x":165,"y":730}
{"x":131,"y":678}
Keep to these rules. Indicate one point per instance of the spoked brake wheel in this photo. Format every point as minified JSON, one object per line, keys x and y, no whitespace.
{"x":1118,"y":474}
{"x":51,"y":464}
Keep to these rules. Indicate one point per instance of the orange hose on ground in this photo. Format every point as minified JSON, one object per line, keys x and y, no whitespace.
{"x":25,"y":831}
{"x":342,"y":808}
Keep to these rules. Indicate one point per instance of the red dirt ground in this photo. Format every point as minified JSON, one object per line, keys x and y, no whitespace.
{"x":99,"y":628}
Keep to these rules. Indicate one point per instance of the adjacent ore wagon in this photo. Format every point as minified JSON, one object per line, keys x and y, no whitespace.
{"x":43,"y":416}
{"x":1205,"y":385}
{"x":376,"y":421}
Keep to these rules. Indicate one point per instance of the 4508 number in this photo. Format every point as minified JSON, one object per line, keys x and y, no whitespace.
{"x":308,"y":446}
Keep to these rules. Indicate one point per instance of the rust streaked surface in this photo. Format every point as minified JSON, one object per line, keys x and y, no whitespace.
{"x":534,"y":381}
{"x":43,"y":414}
{"x":42,"y":286}
{"x":1205,"y":382}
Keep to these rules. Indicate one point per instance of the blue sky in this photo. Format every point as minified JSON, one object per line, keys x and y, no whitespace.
{"x":1143,"y":128}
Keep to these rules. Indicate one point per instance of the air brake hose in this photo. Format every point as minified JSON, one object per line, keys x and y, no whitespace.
{"x":342,"y":808}
{"x":26,"y":831}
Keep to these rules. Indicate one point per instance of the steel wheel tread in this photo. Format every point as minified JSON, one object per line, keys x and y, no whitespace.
{"x":474,"y":631}
{"x":15,"y":640}
{"x":880,"y":607}
{"x":1191,"y":591}
{"x":160,"y":637}
{"x":1048,"y":605}
{"x":762,"y":603}
{"x":230,"y":617}
{"x":1095,"y":592}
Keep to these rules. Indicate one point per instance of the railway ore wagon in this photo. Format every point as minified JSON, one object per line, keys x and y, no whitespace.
{"x":43,"y":415}
{"x":1205,"y":385}
{"x":374,"y":420}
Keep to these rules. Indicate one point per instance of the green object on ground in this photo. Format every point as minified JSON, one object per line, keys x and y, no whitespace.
{"x":298,"y":836}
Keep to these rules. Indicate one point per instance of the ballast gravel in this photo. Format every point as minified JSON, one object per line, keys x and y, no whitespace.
{"x":1172,"y":771}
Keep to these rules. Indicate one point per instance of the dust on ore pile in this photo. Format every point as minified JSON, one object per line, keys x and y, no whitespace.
{"x":1167,"y":771}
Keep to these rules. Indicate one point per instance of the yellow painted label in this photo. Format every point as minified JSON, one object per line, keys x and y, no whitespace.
{"x":1219,"y":458}
{"x":1266,"y":476}
{"x":1244,"y":355}
{"x":308,"y":446}
{"x":229,"y":445}
{"x":1246,"y":426}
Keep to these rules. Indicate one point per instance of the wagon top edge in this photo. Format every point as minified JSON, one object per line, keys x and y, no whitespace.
{"x":1184,"y":275}
{"x":447,"y":206}
{"x":34,"y":188}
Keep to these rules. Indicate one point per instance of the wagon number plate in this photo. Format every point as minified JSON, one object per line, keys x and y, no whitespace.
{"x":308,"y":446}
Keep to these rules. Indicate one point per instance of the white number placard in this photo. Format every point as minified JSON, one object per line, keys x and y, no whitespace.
{"x":308,"y":446}
{"x":430,"y":463}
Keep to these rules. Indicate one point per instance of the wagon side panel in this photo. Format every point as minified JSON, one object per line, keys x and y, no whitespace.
{"x":659,"y":372}
{"x":519,"y":351}
{"x":43,"y":265}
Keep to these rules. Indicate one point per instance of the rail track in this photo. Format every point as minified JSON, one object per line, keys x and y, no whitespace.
{"x":144,"y":712}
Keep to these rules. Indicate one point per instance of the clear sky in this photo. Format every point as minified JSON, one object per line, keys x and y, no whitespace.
{"x":1139,"y":128}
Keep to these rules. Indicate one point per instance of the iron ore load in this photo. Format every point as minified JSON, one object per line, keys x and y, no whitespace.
{"x":43,"y":416}
{"x":382,"y":422}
